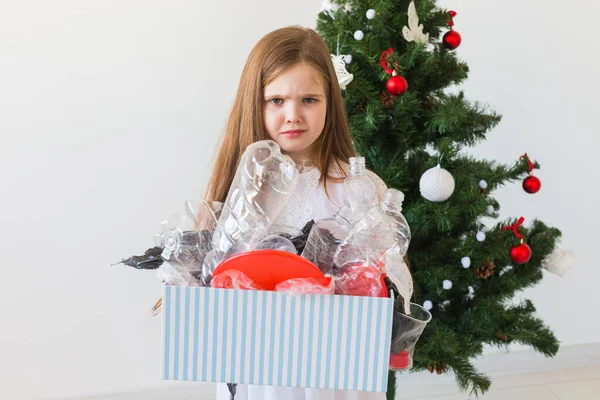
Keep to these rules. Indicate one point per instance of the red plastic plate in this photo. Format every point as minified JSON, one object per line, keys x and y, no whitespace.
{"x":269,"y":267}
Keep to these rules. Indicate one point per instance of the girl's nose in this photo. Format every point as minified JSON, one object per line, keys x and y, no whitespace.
{"x":292,"y":114}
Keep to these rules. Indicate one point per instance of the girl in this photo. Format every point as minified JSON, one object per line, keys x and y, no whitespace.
{"x":289,"y":93}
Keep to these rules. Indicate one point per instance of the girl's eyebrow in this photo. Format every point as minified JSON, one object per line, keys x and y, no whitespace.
{"x":303,"y":95}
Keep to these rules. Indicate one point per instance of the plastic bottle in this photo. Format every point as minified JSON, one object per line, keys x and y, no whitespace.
{"x":359,"y":186}
{"x":325,"y":237}
{"x":382,"y":229}
{"x":263,"y":182}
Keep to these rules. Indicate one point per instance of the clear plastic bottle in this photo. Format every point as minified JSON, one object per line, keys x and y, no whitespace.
{"x":184,"y":246}
{"x":263,"y":182}
{"x":382,"y":229}
{"x":359,"y":186}
{"x":276,"y":242}
{"x":325,"y":237}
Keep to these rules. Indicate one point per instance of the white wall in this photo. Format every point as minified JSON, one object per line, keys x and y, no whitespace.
{"x":108,"y":115}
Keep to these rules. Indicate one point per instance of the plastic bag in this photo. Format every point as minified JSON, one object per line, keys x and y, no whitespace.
{"x":359,"y":281}
{"x":399,"y":273}
{"x":233,"y":279}
{"x":297,"y":286}
{"x":150,"y":260}
{"x":172,"y":277}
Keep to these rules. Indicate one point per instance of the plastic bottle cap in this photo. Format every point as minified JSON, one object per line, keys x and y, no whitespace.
{"x":400,"y":360}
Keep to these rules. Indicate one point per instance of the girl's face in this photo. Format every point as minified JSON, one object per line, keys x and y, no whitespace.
{"x":294,"y":110}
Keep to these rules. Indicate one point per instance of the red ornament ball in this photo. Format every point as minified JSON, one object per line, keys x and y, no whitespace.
{"x":520,"y":254}
{"x":532,"y":184}
{"x":397,"y":85}
{"x":452,"y":40}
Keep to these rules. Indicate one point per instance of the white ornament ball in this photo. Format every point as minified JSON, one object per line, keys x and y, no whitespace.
{"x":428,"y":305}
{"x":348,"y":58}
{"x":359,"y":35}
{"x":483,"y":184}
{"x":371,"y":14}
{"x":447,"y":284}
{"x":466,"y":262}
{"x":480,"y":236}
{"x":436,"y":184}
{"x":559,"y":262}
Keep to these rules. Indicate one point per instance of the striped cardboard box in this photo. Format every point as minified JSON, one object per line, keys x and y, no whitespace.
{"x":269,"y":338}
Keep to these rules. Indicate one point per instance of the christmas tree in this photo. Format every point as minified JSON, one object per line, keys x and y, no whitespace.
{"x":397,"y":61}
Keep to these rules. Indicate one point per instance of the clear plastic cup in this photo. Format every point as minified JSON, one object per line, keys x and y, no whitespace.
{"x":406,"y":330}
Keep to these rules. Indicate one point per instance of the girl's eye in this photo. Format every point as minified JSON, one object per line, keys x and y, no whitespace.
{"x":276,"y":101}
{"x":310,"y":100}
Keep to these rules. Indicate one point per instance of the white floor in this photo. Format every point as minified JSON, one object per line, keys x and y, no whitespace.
{"x":574,"y":374}
{"x":571,"y":384}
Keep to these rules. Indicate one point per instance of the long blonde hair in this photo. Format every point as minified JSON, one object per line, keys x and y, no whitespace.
{"x":274,"y":53}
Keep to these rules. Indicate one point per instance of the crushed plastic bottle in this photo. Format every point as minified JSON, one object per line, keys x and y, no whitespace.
{"x":382,"y":229}
{"x":262,"y":185}
{"x":276,"y":242}
{"x":184,"y":245}
{"x":325,"y":237}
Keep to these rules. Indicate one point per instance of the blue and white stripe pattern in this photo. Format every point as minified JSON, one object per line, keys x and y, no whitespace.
{"x":269,"y":338}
